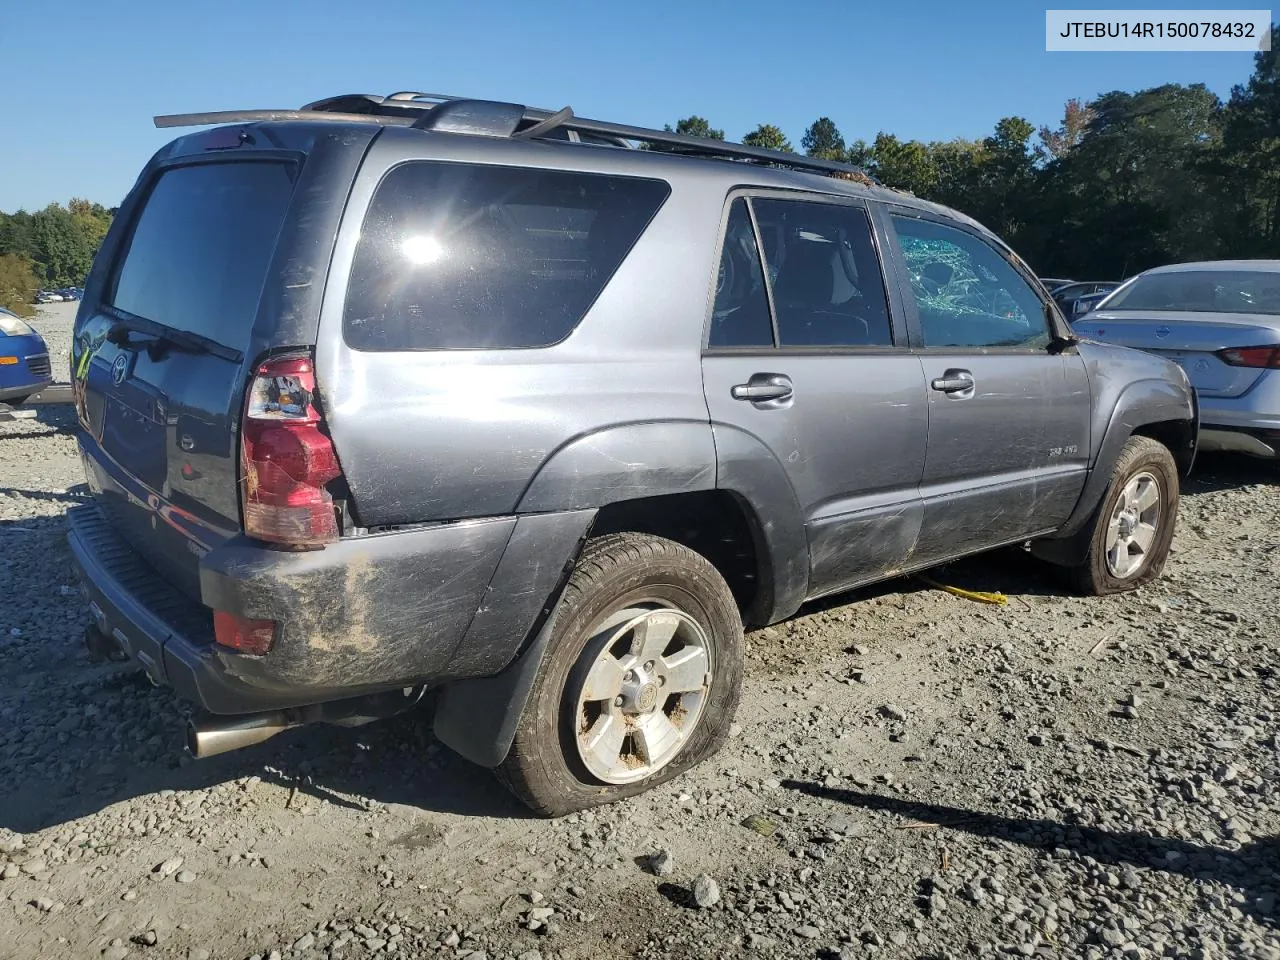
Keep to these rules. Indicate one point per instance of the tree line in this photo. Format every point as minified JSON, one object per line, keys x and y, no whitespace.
{"x":1124,"y":182}
{"x":53,"y":247}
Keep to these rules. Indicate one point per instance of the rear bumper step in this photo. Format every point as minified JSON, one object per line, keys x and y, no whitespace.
{"x":135,"y":611}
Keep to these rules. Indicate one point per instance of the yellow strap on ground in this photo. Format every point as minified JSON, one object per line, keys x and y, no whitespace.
{"x":977,"y":596}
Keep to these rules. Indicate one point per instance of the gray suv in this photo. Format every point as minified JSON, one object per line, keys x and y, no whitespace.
{"x":411,"y":398}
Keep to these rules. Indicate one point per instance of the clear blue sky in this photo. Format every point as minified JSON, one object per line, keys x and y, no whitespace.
{"x":82,"y":79}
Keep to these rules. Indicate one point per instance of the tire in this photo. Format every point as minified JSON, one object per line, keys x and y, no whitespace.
{"x":1143,"y":465}
{"x":621,"y":580}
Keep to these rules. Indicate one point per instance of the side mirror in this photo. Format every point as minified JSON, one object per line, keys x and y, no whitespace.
{"x":1060,"y":341}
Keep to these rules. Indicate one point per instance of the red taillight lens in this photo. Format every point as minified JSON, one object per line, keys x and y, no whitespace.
{"x":242,"y":634}
{"x":1266,"y":357}
{"x":286,"y":458}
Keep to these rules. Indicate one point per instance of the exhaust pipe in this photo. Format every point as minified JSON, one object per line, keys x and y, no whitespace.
{"x":210,"y":736}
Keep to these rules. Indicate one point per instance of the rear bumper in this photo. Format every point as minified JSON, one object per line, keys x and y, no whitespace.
{"x":25,"y":390}
{"x":1248,"y":424}
{"x":1235,"y":440}
{"x":361,"y":616}
{"x":23,"y":387}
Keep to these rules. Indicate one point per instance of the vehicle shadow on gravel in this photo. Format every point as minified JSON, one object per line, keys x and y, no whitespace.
{"x":391,"y":762}
{"x":1249,"y":869}
{"x":1227,"y":471}
{"x":46,"y":495}
{"x":58,"y":417}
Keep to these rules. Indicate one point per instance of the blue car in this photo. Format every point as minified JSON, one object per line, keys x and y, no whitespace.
{"x":24,"y":359}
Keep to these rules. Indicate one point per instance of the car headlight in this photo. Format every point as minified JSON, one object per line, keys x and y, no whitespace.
{"x":14,"y":327}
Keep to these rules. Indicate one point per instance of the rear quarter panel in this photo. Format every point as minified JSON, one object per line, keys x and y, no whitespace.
{"x":438,"y":435}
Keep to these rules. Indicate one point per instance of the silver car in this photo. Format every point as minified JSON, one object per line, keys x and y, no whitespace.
{"x":1220,"y":321}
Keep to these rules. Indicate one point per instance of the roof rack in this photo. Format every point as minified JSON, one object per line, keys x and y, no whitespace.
{"x":446,"y":113}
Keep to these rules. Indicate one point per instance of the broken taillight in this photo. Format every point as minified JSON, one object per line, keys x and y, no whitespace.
{"x":242,"y":634}
{"x":286,"y":458}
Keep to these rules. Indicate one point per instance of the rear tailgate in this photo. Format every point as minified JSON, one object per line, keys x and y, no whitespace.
{"x":203,"y":278}
{"x":1192,"y":340}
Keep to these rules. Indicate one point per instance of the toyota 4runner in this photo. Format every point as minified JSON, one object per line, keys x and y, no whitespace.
{"x":389,"y":395}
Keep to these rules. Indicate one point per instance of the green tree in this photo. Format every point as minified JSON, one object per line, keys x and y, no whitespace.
{"x":1006,"y":176}
{"x":770,"y":137}
{"x":861,"y":154}
{"x":63,"y":248}
{"x":959,"y":165}
{"x":904,"y":165}
{"x":696,"y":126}
{"x":1134,"y":192}
{"x":92,"y":219}
{"x":1250,"y":162}
{"x":18,"y":284}
{"x":823,"y":140}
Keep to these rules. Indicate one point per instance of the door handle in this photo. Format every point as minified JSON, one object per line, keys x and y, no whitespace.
{"x":954,"y":381}
{"x":764,"y":387}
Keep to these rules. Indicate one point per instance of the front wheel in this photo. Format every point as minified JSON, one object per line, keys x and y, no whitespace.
{"x":640,"y":680}
{"x":1134,"y":524}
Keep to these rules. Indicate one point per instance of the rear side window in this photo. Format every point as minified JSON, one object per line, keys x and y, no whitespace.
{"x":740,"y":317}
{"x":466,"y":256}
{"x":201,"y":248}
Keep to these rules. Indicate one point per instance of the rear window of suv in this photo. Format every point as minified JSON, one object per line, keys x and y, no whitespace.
{"x":469,"y":256}
{"x":201,"y":248}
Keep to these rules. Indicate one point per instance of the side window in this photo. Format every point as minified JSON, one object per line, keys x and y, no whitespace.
{"x":827,"y":287}
{"x":966,"y":293}
{"x":740,"y":317}
{"x":466,"y":256}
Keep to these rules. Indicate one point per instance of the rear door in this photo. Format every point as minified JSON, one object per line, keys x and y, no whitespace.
{"x":160,"y":356}
{"x":1194,"y":341}
{"x":806,"y":355}
{"x":1008,"y":441}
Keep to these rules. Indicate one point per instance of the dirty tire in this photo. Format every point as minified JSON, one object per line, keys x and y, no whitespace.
{"x":544,"y":767}
{"x":1140,"y":455}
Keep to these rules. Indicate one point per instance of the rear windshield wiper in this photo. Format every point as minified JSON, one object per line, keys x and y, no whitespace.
{"x":163,"y":335}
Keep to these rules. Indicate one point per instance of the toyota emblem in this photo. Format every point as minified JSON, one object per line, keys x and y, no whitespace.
{"x":120,"y":369}
{"x":1163,"y":332}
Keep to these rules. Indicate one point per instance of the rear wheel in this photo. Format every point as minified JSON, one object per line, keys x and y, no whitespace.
{"x":1134,"y":525}
{"x":639,"y":682}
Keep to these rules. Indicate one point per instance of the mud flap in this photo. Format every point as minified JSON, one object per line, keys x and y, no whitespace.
{"x":1068,"y":551}
{"x":477,"y":718}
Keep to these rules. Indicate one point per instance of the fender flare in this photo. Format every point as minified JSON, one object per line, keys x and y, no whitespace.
{"x":625,"y":462}
{"x":611,"y":466}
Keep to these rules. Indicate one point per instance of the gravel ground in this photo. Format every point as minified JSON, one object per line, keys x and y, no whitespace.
{"x":912,"y":775}
{"x":53,"y":322}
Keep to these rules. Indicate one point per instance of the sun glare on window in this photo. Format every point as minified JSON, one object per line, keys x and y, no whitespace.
{"x":421,"y":249}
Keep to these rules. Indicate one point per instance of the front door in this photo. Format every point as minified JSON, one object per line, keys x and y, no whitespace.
{"x":1009,"y":409}
{"x":805,"y":356}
